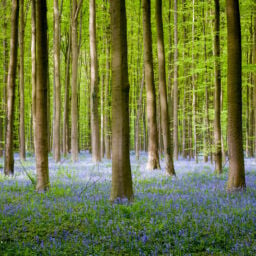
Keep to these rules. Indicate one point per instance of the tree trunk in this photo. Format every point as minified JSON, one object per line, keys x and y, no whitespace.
{"x":169,"y":167}
{"x":102,"y":128}
{"x":33,"y":66}
{"x":184,"y":119}
{"x":139,"y":110}
{"x":121,"y":169}
{"x":236,"y":177}
{"x":9,"y":160}
{"x":22,"y":120}
{"x":107,"y":107}
{"x":153,"y":158}
{"x":66,"y":99}
{"x":254,"y":81}
{"x":57,"y":84}
{"x":5,"y":78}
{"x":194,"y":86}
{"x":74,"y":103}
{"x":175,"y":86}
{"x":41,"y":97}
{"x":95,"y":135}
{"x":206,"y":117}
{"x":217,"y":91}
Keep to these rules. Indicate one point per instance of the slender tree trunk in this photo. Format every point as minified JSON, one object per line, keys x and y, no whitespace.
{"x":9,"y":160}
{"x":236,"y":177}
{"x":217,"y":91}
{"x":254,"y":81}
{"x":5,"y":78}
{"x":107,"y":107}
{"x":33,"y":65}
{"x":175,"y":86}
{"x":206,"y":117}
{"x":153,"y":157}
{"x":41,"y":96}
{"x":121,"y":169}
{"x":194,"y":86}
{"x":74,"y":97}
{"x":170,"y":69}
{"x":95,"y":135}
{"x":22,"y":120}
{"x":184,"y":120}
{"x":57,"y":84}
{"x":169,"y":167}
{"x":102,"y":128}
{"x":66,"y":99}
{"x":139,"y":110}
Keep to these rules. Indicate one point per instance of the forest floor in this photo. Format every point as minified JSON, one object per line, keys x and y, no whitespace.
{"x":191,"y":214}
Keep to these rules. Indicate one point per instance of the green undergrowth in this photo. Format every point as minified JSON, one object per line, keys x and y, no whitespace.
{"x":193,"y":215}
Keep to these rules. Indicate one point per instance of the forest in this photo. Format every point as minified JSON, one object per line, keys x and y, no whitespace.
{"x":128,"y":127}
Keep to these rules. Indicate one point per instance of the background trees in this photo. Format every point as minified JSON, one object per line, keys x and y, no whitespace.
{"x":196,"y":92}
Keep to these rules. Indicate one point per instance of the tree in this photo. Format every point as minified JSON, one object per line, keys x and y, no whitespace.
{"x":66,"y":128}
{"x":94,"y":86}
{"x":5,"y":78}
{"x":162,"y":91}
{"x":74,"y":96}
{"x":217,"y":91}
{"x":57,"y":84}
{"x":9,"y":159}
{"x":22,"y":120}
{"x":41,"y":131}
{"x":106,"y":101}
{"x":175,"y":86}
{"x":33,"y":65}
{"x":236,"y":177}
{"x":153,"y":158}
{"x":194,"y":98}
{"x":121,"y":169}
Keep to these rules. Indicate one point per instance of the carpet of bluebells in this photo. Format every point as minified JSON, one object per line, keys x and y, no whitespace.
{"x":191,"y":214}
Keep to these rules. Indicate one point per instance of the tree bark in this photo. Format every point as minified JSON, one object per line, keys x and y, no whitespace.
{"x":5,"y":78}
{"x":139,"y":110}
{"x":74,"y":100}
{"x":41,"y":97}
{"x":95,"y":135}
{"x":254,"y":81}
{"x":217,"y":91}
{"x":66,"y":128}
{"x":121,"y":169}
{"x":153,"y":157}
{"x":169,"y":167}
{"x":184,"y":120}
{"x":175,"y":86}
{"x":57,"y":84}
{"x":22,"y":120}
{"x":106,"y":100}
{"x":236,"y":177}
{"x":33,"y":66}
{"x":207,"y":141}
{"x":194,"y":87}
{"x":9,"y":159}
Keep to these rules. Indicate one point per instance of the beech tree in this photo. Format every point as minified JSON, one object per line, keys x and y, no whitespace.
{"x":121,"y":169}
{"x":153,"y":157}
{"x":217,"y":91}
{"x":95,"y":135}
{"x":236,"y":177}
{"x":22,"y":118}
{"x":41,"y":131}
{"x":9,"y":159}
{"x":169,"y":167}
{"x":57,"y":84}
{"x":74,"y":95}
